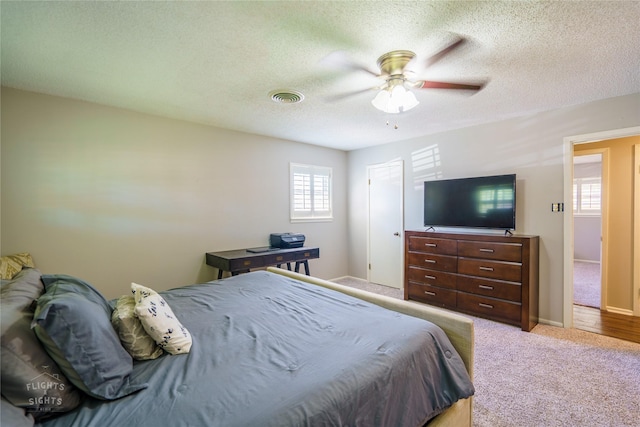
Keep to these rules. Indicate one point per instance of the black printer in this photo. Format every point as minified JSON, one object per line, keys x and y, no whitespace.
{"x":286,"y":240}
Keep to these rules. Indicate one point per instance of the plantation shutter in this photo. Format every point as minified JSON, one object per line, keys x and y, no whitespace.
{"x":310,"y":193}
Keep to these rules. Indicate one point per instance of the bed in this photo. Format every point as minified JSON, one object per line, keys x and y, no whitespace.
{"x":269,"y":348}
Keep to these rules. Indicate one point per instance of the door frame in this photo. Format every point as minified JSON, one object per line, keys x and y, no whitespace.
{"x":636,"y":230}
{"x":399,"y":163}
{"x":604,"y":220}
{"x":569,"y":142}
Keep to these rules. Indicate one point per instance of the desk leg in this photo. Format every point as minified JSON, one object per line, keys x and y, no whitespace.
{"x":235,"y":273}
{"x":288,"y":266}
{"x":306,"y":266}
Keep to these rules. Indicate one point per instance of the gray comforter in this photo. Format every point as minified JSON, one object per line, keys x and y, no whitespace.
{"x":272,"y":351}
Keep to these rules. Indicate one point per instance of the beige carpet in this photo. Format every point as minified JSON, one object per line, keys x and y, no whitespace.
{"x":548,"y":377}
{"x":586,"y":283}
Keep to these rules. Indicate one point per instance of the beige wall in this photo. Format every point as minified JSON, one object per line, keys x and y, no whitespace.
{"x":113,"y":196}
{"x":620,"y":218}
{"x":530,"y":146}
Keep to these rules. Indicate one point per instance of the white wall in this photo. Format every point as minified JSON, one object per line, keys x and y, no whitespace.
{"x":531,"y":146}
{"x":113,"y":196}
{"x":587,"y":228}
{"x":586,"y":237}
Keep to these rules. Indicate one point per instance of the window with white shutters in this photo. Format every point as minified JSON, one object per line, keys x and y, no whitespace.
{"x":310,"y":193}
{"x":587,"y":194}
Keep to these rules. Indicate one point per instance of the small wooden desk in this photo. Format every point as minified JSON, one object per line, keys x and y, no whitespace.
{"x":242,"y":260}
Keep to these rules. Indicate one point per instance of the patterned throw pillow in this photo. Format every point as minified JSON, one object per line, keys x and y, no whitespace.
{"x":11,"y":265}
{"x":132,"y":335}
{"x":159,"y":321}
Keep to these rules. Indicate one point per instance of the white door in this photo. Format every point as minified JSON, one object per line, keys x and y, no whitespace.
{"x":386,"y":224}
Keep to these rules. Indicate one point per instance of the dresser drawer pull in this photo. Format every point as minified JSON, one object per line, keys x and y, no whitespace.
{"x":431,"y":261}
{"x":431,"y":245}
{"x":433,"y":294}
{"x":486,"y":268}
{"x":485,"y":305}
{"x":485,"y":287}
{"x":430,"y":277}
{"x":486,"y":250}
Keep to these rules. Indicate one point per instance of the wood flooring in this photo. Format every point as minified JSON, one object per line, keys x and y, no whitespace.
{"x":604,"y":323}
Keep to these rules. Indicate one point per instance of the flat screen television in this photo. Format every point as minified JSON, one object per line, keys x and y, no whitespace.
{"x":478,"y":202}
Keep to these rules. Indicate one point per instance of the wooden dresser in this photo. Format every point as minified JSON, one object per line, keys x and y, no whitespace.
{"x":490,"y":276}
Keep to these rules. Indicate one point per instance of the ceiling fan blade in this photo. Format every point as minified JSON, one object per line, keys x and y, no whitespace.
{"x":444,"y":52}
{"x":342,"y":96}
{"x":340,"y":60}
{"x":426,"y":84}
{"x":358,"y":67}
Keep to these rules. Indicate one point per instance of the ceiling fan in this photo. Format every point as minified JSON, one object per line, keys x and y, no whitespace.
{"x":394,"y":95}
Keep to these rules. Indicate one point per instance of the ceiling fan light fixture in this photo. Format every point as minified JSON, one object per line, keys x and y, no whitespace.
{"x":395,"y":99}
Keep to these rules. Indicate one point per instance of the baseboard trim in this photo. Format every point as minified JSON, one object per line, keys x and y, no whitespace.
{"x":622,"y":311}
{"x":590,"y":261}
{"x":551,"y":323}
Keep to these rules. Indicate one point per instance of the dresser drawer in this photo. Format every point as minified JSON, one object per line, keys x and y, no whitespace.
{"x":489,"y":307}
{"x":433,"y":261}
{"x":434,"y":246}
{"x":509,"y":271}
{"x":240,"y":264}
{"x":432,"y":277}
{"x":279,"y":258}
{"x":491,"y":250}
{"x":491,"y":288}
{"x":432,"y":295}
{"x":312,"y":253}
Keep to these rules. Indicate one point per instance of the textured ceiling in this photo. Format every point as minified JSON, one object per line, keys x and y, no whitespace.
{"x":216,"y":62}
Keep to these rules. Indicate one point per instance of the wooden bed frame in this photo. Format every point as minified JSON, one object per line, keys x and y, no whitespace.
{"x":458,"y":328}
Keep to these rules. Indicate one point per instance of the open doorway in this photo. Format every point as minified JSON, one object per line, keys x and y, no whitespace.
{"x":619,"y":314}
{"x":587,"y":232}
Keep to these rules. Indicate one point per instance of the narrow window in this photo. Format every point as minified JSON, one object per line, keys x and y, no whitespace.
{"x":587,"y":194}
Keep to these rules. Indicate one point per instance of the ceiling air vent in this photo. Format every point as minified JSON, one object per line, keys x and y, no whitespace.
{"x":286,"y":96}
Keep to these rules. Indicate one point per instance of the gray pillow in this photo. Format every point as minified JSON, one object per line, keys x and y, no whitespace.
{"x":73,"y":321}
{"x":30,"y":378}
{"x":13,"y":416}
